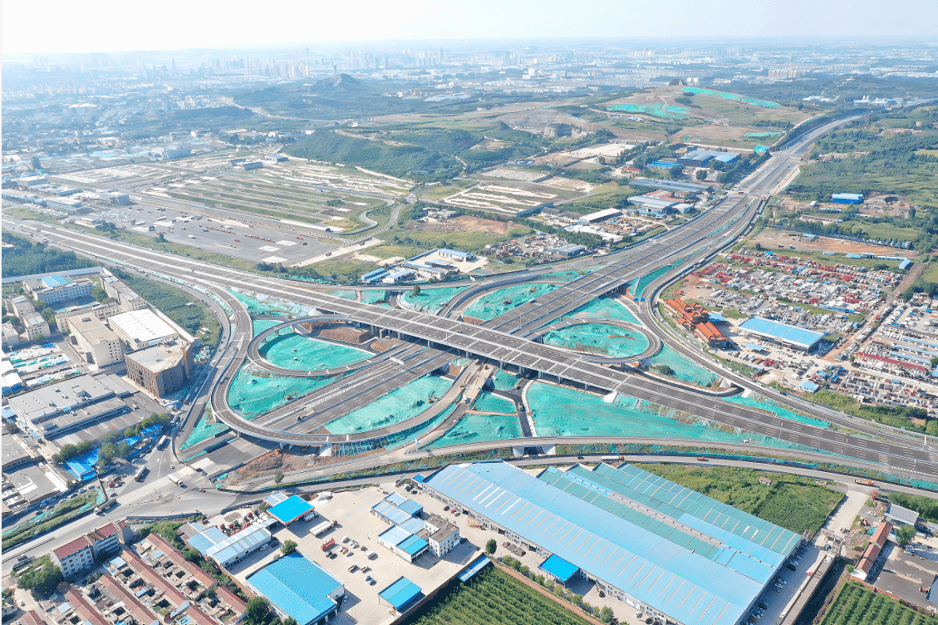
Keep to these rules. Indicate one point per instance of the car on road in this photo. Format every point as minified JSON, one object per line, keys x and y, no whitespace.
{"x":345,"y":599}
{"x":201,"y":490}
{"x":172,"y":466}
{"x":265,"y":547}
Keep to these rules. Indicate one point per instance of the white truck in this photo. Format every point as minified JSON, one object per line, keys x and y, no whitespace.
{"x":322,"y":528}
{"x":175,"y":480}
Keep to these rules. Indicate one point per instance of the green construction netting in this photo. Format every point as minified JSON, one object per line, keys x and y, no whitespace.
{"x":504,"y":381}
{"x":373,"y":297}
{"x":603,"y":308}
{"x":498,"y":302}
{"x":264,"y":305}
{"x":398,"y":405}
{"x":431,"y":300}
{"x":599,"y":338}
{"x":683,"y":368}
{"x":302,"y":353}
{"x":203,"y":430}
{"x":561,"y":411}
{"x":473,"y":428}
{"x":486,"y":402}
{"x":770,"y":406}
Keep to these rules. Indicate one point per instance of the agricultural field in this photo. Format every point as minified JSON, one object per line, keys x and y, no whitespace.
{"x":855,"y":605}
{"x":494,"y":598}
{"x":793,"y":502}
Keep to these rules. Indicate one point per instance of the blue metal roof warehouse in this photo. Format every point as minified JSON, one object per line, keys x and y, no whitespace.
{"x":290,"y":509}
{"x":793,"y":336}
{"x":299,"y":588}
{"x":401,"y":594}
{"x":672,"y":552}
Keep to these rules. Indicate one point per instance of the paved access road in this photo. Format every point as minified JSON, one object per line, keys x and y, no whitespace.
{"x":504,"y":348}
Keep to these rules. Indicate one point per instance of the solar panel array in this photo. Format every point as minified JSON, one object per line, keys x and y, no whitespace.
{"x":705,"y":565}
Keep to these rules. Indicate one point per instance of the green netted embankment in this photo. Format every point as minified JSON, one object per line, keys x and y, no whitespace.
{"x":598,"y":338}
{"x":397,"y":406}
{"x":498,"y":302}
{"x":486,"y":402}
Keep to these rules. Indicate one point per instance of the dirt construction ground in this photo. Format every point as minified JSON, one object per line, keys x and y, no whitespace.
{"x":465,"y":223}
{"x":771,"y":239}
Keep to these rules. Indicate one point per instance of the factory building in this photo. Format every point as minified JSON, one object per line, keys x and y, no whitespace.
{"x":54,"y":289}
{"x":162,"y":369}
{"x":298,"y":588}
{"x":95,"y":342}
{"x":139,"y":329}
{"x":101,"y":311}
{"x":847,"y":198}
{"x":700,"y":158}
{"x":781,"y":333}
{"x":663,"y":549}
{"x":599,"y":216}
{"x":646,"y":205}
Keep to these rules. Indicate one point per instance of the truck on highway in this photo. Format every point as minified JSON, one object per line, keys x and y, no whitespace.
{"x":175,"y":480}
{"x":103,"y":507}
{"x":865,"y":482}
{"x":612,"y":458}
{"x":162,"y":443}
{"x":322,"y":528}
{"x":140,"y":474}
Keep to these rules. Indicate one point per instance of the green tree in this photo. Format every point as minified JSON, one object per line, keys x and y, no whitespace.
{"x":256,"y":611}
{"x":676,"y":171}
{"x":605,"y":615}
{"x":904,"y":535}
{"x":490,"y":546}
{"x":161,"y":238}
{"x":289,"y":621}
{"x":100,"y":295}
{"x":701,"y":174}
{"x":415,"y":291}
{"x":42,"y":578}
{"x":288,"y":547}
{"x":577,"y":599}
{"x":279,"y":477}
{"x":190,"y":554}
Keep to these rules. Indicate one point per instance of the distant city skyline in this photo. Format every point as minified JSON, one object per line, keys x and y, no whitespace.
{"x":108,"y":25}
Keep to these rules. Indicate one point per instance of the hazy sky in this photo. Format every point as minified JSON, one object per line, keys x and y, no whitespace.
{"x":112,"y":25}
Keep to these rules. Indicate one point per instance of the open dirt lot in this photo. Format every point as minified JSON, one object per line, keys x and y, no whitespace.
{"x":466,"y":223}
{"x":771,"y":239}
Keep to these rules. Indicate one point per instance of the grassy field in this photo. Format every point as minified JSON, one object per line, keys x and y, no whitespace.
{"x":494,"y":598}
{"x":855,"y":605}
{"x":793,"y":502}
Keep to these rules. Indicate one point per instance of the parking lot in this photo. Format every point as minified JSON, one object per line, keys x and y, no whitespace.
{"x":352,"y":512}
{"x":211,"y":232}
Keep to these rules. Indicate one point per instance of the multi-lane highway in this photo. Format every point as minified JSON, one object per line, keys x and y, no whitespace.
{"x":504,"y":348}
{"x":710,"y":232}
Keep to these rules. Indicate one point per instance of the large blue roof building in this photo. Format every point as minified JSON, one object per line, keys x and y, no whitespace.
{"x":662,"y":548}
{"x":299,"y":588}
